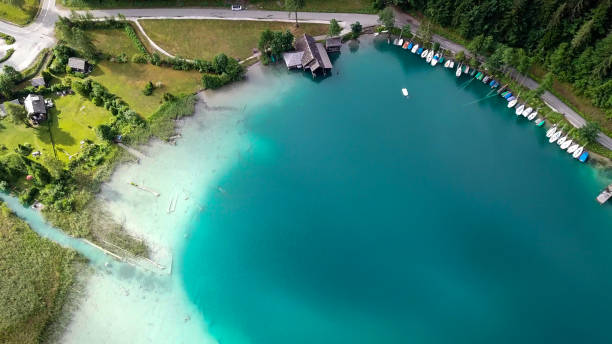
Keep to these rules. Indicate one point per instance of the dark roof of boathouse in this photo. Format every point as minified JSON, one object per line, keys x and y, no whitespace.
{"x":333,"y":42}
{"x":315,"y":56}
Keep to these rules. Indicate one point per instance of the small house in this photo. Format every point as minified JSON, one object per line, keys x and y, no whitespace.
{"x":293,"y":59}
{"x":36,"y":108}
{"x":333,"y":44}
{"x":78,"y":65}
{"x":38,"y":81}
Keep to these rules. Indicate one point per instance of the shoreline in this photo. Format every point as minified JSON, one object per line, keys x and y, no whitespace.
{"x":154,"y":145}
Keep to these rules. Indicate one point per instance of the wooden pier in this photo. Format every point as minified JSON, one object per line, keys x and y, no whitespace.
{"x":605,"y":195}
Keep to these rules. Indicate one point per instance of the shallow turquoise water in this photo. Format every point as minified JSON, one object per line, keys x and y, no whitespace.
{"x":359,"y":216}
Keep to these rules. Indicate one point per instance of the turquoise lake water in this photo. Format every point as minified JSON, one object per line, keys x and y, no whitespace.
{"x":360,"y":216}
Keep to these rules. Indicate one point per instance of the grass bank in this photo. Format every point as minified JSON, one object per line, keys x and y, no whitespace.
{"x":348,"y":6}
{"x":19,"y":12}
{"x":207,"y":38}
{"x":36,"y":277}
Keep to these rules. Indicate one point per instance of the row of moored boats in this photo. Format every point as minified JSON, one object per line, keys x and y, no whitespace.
{"x":554,"y":134}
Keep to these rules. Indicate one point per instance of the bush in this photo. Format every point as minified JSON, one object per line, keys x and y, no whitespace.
{"x":27,"y":196}
{"x":168,"y":97}
{"x":356,"y":29}
{"x":214,"y":81}
{"x":106,"y":132}
{"x":8,"y":55}
{"x":139,"y":58}
{"x":148,"y":89}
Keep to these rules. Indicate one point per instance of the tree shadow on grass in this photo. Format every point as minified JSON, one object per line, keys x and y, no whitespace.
{"x":59,"y":136}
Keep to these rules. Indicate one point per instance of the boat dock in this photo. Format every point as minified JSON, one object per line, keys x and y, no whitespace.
{"x":605,"y":195}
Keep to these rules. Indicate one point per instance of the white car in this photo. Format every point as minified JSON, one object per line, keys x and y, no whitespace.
{"x":236,"y":8}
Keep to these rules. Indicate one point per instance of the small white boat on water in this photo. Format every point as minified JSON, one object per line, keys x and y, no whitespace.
{"x":578,"y":152}
{"x":527,"y":111}
{"x":532,"y":115}
{"x":566,"y":144}
{"x":555,"y":137}
{"x":401,"y":41}
{"x":551,"y":131}
{"x":435,"y":60}
{"x":573,"y":148}
{"x":458,"y":72}
{"x":452,"y":65}
{"x":447,"y":63}
{"x":405,"y":92}
{"x":562,"y":140}
{"x":519,"y":110}
{"x":512,"y":103}
{"x":430,"y":56}
{"x":415,"y":48}
{"x":395,"y":41}
{"x":424,"y":53}
{"x":466,"y":70}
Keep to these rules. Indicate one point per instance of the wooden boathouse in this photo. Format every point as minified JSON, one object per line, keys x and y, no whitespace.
{"x":308,"y":55}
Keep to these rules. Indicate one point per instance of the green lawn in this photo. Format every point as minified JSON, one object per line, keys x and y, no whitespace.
{"x":127,"y":81}
{"x":72,"y":120}
{"x":113,"y":42}
{"x":207,"y":38}
{"x":353,"y":6}
{"x":19,"y":12}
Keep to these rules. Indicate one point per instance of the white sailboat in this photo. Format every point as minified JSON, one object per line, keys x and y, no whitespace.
{"x":447,"y":63}
{"x":562,"y":140}
{"x":532,"y":115}
{"x":573,"y":148}
{"x":405,"y":92}
{"x":551,"y":131}
{"x":527,"y":111}
{"x":519,"y":110}
{"x":429,"y":56}
{"x":414,"y":48}
{"x":512,"y":103}
{"x":566,"y":144}
{"x":458,"y":72}
{"x":578,"y":152}
{"x":424,"y":53}
{"x":555,"y":137}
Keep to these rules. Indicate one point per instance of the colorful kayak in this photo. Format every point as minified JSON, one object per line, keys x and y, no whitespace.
{"x":410,"y":45}
{"x":508,"y":95}
{"x":584,"y":157}
{"x":420,"y":50}
{"x":540,"y":123}
{"x":405,"y":46}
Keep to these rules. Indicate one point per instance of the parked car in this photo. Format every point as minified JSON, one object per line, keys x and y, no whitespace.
{"x":236,"y":8}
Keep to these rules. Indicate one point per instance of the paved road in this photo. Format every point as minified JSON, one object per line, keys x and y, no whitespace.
{"x":38,"y":35}
{"x":31,"y":39}
{"x":572,"y":116}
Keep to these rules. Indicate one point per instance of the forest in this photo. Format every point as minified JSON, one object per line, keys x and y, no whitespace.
{"x":572,"y":39}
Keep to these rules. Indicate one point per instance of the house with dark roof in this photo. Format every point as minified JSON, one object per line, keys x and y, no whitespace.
{"x":333,"y":44}
{"x":309,"y":55}
{"x":78,"y":65}
{"x":38,"y":81}
{"x":36,"y":108}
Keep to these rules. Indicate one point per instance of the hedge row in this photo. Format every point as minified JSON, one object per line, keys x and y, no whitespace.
{"x":134,"y":37}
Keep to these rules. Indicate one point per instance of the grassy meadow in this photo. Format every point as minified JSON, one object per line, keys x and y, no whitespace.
{"x":36,"y":276}
{"x":19,"y":12}
{"x":207,"y":38}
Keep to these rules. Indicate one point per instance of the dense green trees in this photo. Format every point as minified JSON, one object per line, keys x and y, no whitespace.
{"x":572,"y":39}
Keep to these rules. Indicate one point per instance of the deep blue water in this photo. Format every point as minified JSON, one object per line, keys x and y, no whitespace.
{"x":360,"y":216}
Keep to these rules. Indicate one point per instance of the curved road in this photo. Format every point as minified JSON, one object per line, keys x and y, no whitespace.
{"x":30,"y":40}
